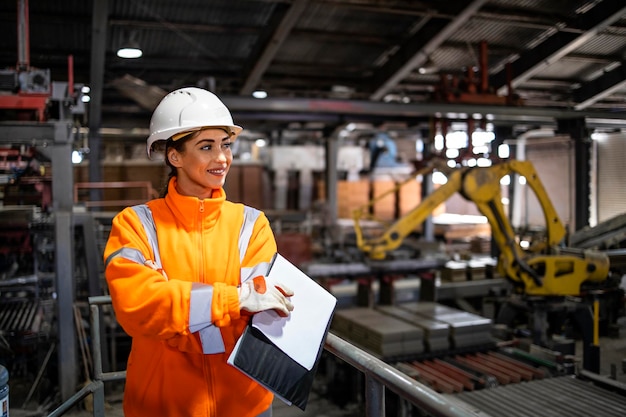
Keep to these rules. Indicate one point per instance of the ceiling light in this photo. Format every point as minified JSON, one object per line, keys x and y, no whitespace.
{"x":77,"y":157}
{"x":259,"y":94}
{"x":130,"y":52}
{"x":429,"y":67}
{"x":131,"y":48}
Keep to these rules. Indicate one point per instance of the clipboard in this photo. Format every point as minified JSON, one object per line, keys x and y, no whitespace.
{"x":282,"y":353}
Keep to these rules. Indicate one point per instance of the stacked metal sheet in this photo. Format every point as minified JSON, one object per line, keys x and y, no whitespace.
{"x":436,"y":333}
{"x":380,"y":334}
{"x":466,"y":329}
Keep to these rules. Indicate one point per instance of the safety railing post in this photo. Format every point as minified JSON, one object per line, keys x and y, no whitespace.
{"x":374,"y":397}
{"x":378,"y":372}
{"x":98,"y":394}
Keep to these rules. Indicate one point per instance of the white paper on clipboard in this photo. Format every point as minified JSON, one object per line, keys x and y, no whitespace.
{"x":301,"y":334}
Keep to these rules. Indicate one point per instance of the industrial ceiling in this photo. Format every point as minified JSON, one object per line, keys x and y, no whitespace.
{"x":328,"y":62}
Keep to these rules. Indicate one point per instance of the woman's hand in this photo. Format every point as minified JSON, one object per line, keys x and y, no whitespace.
{"x":254,"y":296}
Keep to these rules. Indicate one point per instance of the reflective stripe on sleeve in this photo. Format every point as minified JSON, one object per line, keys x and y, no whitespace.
{"x":131,"y":254}
{"x":211,"y":339}
{"x":145,"y":216}
{"x":200,"y":306}
{"x":200,"y":319}
{"x":250,"y":215}
{"x":255,"y":271}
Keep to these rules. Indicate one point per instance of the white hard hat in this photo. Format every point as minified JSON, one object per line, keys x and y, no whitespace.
{"x":189,"y":109}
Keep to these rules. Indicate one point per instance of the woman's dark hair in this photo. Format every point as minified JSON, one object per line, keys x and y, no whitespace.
{"x":179,"y":146}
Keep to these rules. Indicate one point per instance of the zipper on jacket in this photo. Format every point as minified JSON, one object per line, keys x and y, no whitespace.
{"x":200,"y":234}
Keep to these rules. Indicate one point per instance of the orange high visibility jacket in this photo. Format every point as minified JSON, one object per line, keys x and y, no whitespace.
{"x":172,"y":267}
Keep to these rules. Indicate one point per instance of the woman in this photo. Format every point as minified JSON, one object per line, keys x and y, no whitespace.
{"x":181,"y":272}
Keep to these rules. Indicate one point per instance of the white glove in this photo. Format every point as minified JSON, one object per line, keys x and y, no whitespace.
{"x":254,"y":296}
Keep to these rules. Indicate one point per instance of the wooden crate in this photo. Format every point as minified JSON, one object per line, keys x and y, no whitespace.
{"x":350,"y":196}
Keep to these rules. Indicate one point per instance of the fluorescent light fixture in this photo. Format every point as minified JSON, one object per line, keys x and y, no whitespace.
{"x":483,"y":162}
{"x":504,"y":151}
{"x":456,"y":139}
{"x":130,"y":48}
{"x":439,"y":178}
{"x":130,"y":52}
{"x":439,"y":142}
{"x":452,"y":153}
{"x":77,"y":157}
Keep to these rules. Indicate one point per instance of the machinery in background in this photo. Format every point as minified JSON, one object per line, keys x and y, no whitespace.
{"x":384,"y":158}
{"x":28,"y":93}
{"x":542,"y":270}
{"x":547,"y":277}
{"x":609,"y":237}
{"x":47,"y":258}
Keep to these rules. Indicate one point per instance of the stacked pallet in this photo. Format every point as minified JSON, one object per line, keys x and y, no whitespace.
{"x":436,"y":333}
{"x":454,"y":271}
{"x":466,"y":329}
{"x":377,"y":333}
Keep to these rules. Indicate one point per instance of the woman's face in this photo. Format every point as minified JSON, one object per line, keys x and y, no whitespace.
{"x":203,"y":163}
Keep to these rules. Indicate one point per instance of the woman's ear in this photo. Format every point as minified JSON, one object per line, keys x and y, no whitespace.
{"x":174,"y":158}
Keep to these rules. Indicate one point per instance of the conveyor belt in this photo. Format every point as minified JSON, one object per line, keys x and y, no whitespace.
{"x":557,"y":397}
{"x":359,"y":269}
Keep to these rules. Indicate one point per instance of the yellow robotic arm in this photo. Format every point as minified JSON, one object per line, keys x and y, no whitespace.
{"x":543,"y":271}
{"x":378,"y":247}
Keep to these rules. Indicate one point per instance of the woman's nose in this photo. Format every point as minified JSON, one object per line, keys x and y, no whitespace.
{"x":220,"y":155}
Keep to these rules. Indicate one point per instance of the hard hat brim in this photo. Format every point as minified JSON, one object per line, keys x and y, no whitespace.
{"x":165,"y":134}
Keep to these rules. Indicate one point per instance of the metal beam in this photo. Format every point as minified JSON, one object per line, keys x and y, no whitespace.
{"x":295,"y":108}
{"x":274,"y":44}
{"x":416,"y":53}
{"x":603,"y":86}
{"x":530,"y":62}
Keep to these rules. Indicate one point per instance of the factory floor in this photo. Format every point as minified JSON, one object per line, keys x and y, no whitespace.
{"x":613,"y":361}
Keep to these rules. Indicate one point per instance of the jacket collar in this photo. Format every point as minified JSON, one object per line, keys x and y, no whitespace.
{"x":187,"y":207}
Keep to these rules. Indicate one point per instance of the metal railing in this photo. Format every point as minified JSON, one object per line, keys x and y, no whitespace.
{"x":378,"y":377}
{"x":96,"y":385}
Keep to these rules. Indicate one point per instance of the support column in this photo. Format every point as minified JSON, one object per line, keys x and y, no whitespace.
{"x":331,"y":152}
{"x":428,"y":136}
{"x":501,"y":134}
{"x":281,"y":184}
{"x":305,"y":196}
{"x":98,"y":51}
{"x":62,"y":198}
{"x":577,"y":130}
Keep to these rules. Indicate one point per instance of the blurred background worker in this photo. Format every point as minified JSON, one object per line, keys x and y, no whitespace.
{"x":182,"y":270}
